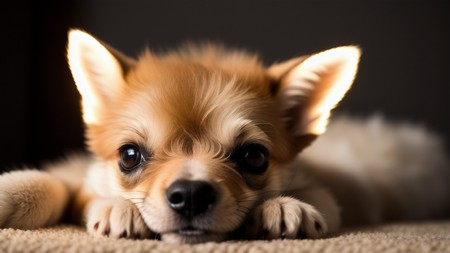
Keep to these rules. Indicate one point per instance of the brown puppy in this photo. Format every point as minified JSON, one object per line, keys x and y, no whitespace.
{"x":202,"y":145}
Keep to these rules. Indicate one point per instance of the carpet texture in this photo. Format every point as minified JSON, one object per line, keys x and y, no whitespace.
{"x":406,"y":237}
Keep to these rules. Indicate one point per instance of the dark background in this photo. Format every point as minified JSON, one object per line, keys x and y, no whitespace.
{"x":404,"y":72}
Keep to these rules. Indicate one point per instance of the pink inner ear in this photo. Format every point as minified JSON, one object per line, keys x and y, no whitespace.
{"x":312,"y":89}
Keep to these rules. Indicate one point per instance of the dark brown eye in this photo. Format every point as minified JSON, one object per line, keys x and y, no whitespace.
{"x":130,"y":158}
{"x":251,"y":158}
{"x":255,"y":158}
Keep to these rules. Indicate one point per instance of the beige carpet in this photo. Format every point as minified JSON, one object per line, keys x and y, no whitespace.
{"x":407,"y":237}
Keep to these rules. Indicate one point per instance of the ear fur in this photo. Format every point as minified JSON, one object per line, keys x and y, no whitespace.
{"x":98,"y":71}
{"x":310,"y":87}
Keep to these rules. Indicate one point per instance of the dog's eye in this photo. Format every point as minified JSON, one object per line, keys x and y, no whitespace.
{"x":251,"y":158}
{"x":130,"y":158}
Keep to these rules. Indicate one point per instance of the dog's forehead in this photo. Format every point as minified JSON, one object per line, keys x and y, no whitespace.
{"x":188,"y":98}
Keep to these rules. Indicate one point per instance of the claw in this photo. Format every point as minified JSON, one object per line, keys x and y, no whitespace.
{"x":318,"y":227}
{"x":124,"y":234}
{"x":301,"y":234}
{"x":96,"y":225}
{"x":264,"y":234}
{"x":107,"y":231}
{"x":283,"y":230}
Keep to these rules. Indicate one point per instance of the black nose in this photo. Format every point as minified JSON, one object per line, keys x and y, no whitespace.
{"x":190,"y":198}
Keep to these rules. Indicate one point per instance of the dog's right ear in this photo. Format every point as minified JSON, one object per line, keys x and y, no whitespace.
{"x":311,"y":86}
{"x":98,"y":70}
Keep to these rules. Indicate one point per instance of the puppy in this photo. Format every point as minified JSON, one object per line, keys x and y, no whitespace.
{"x":203,"y":144}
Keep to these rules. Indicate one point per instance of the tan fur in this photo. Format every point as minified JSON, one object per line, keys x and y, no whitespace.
{"x":190,"y":111}
{"x":40,"y":194}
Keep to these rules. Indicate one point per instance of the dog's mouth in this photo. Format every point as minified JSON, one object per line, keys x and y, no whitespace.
{"x":190,"y":234}
{"x":191,"y":231}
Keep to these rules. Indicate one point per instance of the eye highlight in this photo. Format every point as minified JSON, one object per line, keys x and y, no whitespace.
{"x":251,"y":158}
{"x":130,"y":158}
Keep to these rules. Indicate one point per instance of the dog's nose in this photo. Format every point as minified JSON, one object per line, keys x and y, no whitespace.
{"x":190,"y":198}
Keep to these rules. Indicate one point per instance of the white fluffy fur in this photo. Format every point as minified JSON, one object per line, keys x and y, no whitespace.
{"x":400,"y":167}
{"x":283,"y":217}
{"x":117,"y":217}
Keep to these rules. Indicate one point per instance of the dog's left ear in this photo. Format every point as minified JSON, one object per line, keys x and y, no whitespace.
{"x":310,"y":87}
{"x":99,"y":72}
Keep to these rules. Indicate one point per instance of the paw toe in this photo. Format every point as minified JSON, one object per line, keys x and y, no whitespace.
{"x":124,"y":234}
{"x":116,"y":218}
{"x":287,"y":218}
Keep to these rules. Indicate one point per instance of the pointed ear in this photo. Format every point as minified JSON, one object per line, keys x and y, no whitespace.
{"x":310,"y":87}
{"x":98,"y":70}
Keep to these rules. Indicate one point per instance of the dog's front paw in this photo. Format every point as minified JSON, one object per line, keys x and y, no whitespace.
{"x":285,"y":217}
{"x":116,"y":218}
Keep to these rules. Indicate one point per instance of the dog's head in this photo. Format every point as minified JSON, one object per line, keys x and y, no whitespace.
{"x":196,"y":138}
